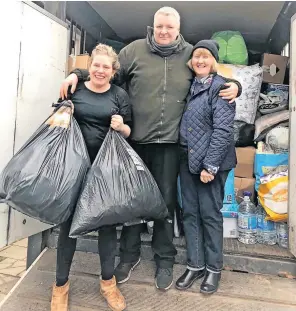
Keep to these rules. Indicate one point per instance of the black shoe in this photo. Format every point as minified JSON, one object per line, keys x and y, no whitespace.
{"x":188,"y":278}
{"x":164,"y":278}
{"x":210,"y":283}
{"x":123,"y":271}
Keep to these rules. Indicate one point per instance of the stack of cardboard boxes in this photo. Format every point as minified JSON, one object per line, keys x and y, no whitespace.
{"x":244,"y":173}
{"x":243,"y":181}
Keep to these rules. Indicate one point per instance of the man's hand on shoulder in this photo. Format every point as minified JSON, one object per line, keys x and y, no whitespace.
{"x":229,"y":91}
{"x":72,"y":80}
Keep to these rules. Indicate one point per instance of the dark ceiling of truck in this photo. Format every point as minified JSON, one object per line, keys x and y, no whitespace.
{"x":199,"y":19}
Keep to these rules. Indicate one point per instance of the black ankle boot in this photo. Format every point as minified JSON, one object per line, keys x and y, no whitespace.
{"x":210,"y":283}
{"x":188,"y":278}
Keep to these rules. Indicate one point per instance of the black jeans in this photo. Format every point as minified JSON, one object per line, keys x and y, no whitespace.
{"x":202,"y":218}
{"x":163,"y":162}
{"x":66,"y":247}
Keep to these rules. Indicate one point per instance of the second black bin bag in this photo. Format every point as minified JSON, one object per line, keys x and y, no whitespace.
{"x":118,"y":189}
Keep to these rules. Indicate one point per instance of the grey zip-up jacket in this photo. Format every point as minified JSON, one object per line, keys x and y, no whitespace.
{"x":157,"y":87}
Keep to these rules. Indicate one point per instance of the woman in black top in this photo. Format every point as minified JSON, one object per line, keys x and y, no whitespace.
{"x":94,"y":101}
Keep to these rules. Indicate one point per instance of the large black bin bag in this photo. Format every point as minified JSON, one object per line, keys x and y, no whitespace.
{"x":44,"y":178}
{"x":119,"y":189}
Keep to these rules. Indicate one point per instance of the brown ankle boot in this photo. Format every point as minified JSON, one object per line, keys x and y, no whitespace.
{"x":112,"y":294}
{"x":60,"y":296}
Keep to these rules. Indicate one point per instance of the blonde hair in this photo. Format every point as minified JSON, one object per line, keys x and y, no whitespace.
{"x":103,"y":49}
{"x":202,"y":51}
{"x":166,"y":10}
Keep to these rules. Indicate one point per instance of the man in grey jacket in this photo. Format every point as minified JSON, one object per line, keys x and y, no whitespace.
{"x":157,"y":80}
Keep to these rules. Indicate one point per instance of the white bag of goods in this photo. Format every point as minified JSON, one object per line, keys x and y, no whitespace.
{"x":278,"y":139}
{"x":250,"y":78}
{"x":269,"y":121}
{"x":273,"y":195}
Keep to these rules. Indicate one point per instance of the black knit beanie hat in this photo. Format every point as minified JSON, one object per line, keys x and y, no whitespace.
{"x":210,"y":45}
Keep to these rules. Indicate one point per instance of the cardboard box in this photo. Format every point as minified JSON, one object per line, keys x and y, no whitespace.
{"x":78,"y":61}
{"x":274,"y":68}
{"x":230,"y":229}
{"x":245,"y":162}
{"x":244,"y":184}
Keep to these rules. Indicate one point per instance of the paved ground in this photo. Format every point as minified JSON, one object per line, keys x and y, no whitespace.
{"x":238,"y":291}
{"x":12,"y":265}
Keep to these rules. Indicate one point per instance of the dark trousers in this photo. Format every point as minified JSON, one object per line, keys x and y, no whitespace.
{"x":163,"y":162}
{"x":202,"y":218}
{"x":66,"y":247}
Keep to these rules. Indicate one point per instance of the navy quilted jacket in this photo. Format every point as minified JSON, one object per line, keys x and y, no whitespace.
{"x":207,"y":127}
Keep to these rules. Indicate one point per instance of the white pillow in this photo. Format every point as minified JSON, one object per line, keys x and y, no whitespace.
{"x":250,"y":78}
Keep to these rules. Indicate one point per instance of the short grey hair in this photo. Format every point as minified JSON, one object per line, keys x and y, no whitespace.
{"x":166,"y":10}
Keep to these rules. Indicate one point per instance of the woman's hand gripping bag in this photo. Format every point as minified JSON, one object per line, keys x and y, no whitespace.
{"x":118,"y":189}
{"x":43,"y":179}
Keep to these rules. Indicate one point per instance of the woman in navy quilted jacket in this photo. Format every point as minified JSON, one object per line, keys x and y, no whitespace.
{"x":207,"y":155}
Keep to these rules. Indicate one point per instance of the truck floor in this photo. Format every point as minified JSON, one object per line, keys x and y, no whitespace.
{"x":238,"y":291}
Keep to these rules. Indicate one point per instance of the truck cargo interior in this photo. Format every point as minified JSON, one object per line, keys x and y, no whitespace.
{"x":257,"y":47}
{"x":265,"y":28}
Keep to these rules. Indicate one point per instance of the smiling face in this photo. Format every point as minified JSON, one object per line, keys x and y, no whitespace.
{"x":101,"y":70}
{"x":203,"y":62}
{"x":166,"y":28}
